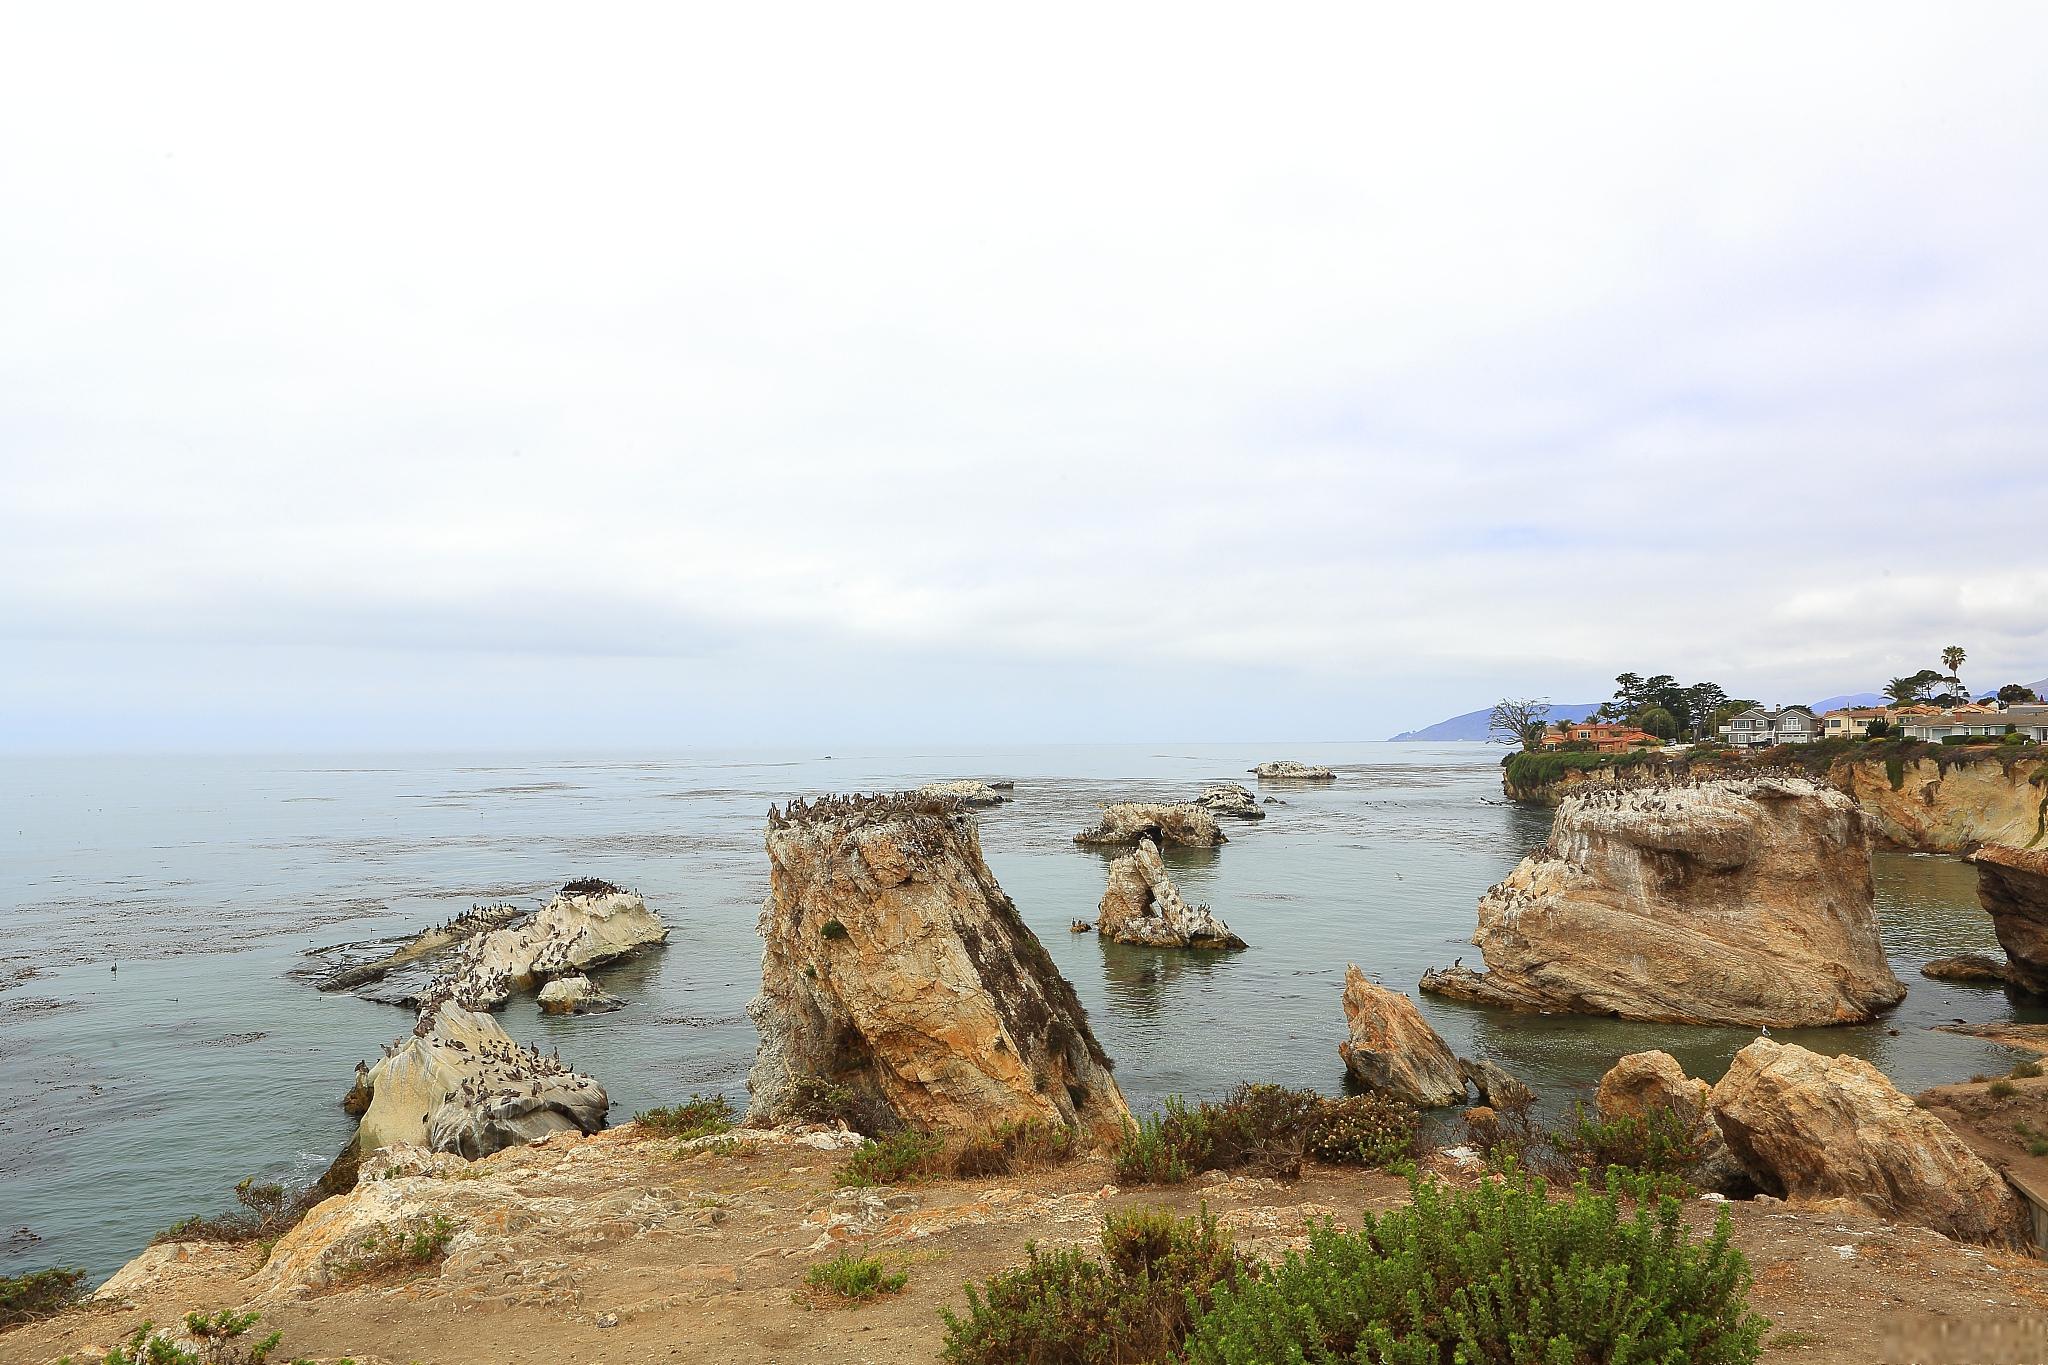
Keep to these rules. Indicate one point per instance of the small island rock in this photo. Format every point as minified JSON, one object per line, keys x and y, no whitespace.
{"x":968,"y":792}
{"x":1392,"y":1048}
{"x":1230,"y":800}
{"x":1182,"y":825}
{"x":1141,"y":905}
{"x":1287,"y":770}
{"x":576,"y":994}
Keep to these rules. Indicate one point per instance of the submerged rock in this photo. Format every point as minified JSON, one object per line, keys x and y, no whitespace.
{"x":585,"y":925}
{"x":1739,"y":901}
{"x":1392,"y":1048}
{"x":1646,"y":1081}
{"x":1287,"y":770}
{"x":1183,"y":825}
{"x":1230,"y":800}
{"x":1977,"y":969}
{"x":1811,"y":1127}
{"x":899,"y":975}
{"x":2012,"y":884}
{"x":458,"y":1083}
{"x":576,"y":994}
{"x":968,"y":792}
{"x":1141,"y":905}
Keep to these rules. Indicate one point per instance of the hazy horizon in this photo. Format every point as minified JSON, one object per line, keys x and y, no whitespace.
{"x":492,"y":378}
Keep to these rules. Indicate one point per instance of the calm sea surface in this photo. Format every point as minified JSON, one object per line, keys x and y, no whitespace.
{"x":131,"y":1097}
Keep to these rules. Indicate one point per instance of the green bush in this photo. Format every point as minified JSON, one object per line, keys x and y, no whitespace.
{"x":1153,"y":1150}
{"x":1156,"y":1276}
{"x":38,"y":1294}
{"x":1363,"y":1130}
{"x":1657,"y":1144}
{"x":2026,"y":1071}
{"x":1539,"y":768}
{"x":892,"y":1160}
{"x":2000,"y":1090}
{"x":855,"y":1278}
{"x":1029,"y":1145}
{"x":701,"y":1116}
{"x":833,"y":929}
{"x":1496,"y":1275}
{"x":268,"y":1214}
{"x":219,"y":1337}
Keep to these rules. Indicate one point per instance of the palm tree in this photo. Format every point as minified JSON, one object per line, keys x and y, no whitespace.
{"x":1952,"y":659}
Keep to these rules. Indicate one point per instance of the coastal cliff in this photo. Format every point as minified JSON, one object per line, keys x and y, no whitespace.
{"x":1741,"y":901}
{"x":899,"y":975}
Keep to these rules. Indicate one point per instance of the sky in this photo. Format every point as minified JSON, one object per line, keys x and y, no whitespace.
{"x":539,"y":377}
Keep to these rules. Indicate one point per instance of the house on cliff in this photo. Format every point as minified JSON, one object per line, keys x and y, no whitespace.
{"x":2027,"y":721}
{"x":1852,"y":722}
{"x":1760,"y":727}
{"x":1605,"y":738}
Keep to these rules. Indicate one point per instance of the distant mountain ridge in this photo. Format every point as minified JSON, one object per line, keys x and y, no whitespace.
{"x":1472,"y":725}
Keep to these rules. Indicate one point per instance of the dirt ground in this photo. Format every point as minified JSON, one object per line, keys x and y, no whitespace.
{"x":616,"y":1248}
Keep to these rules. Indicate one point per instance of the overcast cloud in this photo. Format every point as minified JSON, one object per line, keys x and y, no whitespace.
{"x":408,"y":376}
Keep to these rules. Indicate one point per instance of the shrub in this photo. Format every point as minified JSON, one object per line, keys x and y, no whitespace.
{"x":1497,"y":1275}
{"x":1262,"y":1128}
{"x":1025,"y":1146}
{"x":219,"y":1337}
{"x":268,"y":1214}
{"x":1152,"y":1151}
{"x":901,"y":1156}
{"x":855,"y":1278}
{"x":38,"y":1294}
{"x":2026,"y":1071}
{"x":1999,"y":1090}
{"x":1657,"y":1144}
{"x":1157,"y":1275}
{"x":701,"y":1116}
{"x":833,"y":929}
{"x":2037,"y":1146}
{"x":389,"y":1250}
{"x":1363,"y":1130}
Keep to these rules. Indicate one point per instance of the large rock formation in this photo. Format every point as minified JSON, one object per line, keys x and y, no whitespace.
{"x":458,"y":1083}
{"x":1141,"y":905}
{"x":585,"y":925}
{"x":1811,"y":1127}
{"x":1182,"y":825}
{"x":967,"y":791}
{"x":1949,"y":800}
{"x":1643,"y":1082}
{"x":898,"y":972}
{"x":1287,"y":770}
{"x":1739,"y":901}
{"x":1230,"y":800}
{"x":1393,"y":1049}
{"x":2012,"y":884}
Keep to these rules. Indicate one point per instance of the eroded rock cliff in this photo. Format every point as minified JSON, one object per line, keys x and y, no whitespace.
{"x":1738,"y":901}
{"x":897,"y":972}
{"x":2012,"y":884}
{"x":1950,"y":801}
{"x":1141,"y":905}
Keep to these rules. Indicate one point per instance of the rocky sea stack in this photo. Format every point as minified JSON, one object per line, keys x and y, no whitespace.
{"x":1736,"y":901}
{"x":1167,"y":824}
{"x":2012,"y":884}
{"x":898,"y":975}
{"x":1142,"y":905}
{"x":1231,"y":801}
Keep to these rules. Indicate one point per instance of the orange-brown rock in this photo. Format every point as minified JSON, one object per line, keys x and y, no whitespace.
{"x":1737,"y":901}
{"x":2012,"y":884}
{"x":1949,"y":801}
{"x":898,"y":972}
{"x":1393,"y":1049}
{"x":1815,"y":1128}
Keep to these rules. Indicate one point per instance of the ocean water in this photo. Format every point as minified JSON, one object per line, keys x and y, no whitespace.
{"x":161,"y":1050}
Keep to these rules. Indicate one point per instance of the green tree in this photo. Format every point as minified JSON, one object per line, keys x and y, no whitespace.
{"x":1952,"y":659}
{"x":1658,"y":722}
{"x":2016,"y":694}
{"x":1912,"y":690}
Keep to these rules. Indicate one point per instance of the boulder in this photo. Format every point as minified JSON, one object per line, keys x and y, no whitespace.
{"x":1184,"y":825}
{"x":1814,"y":1128}
{"x":1142,"y":906}
{"x":1497,"y":1089}
{"x":1287,"y":770}
{"x":1733,"y":901}
{"x":576,"y":994}
{"x":1392,"y":1048}
{"x":897,"y":972}
{"x":967,"y":792}
{"x":585,"y":925}
{"x":1976,"y":969}
{"x":458,"y":1083}
{"x":1645,"y":1081}
{"x":1229,"y":800}
{"x":2012,"y":884}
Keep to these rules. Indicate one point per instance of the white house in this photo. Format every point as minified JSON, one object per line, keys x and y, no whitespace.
{"x":2029,"y":721}
{"x":1760,"y":728}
